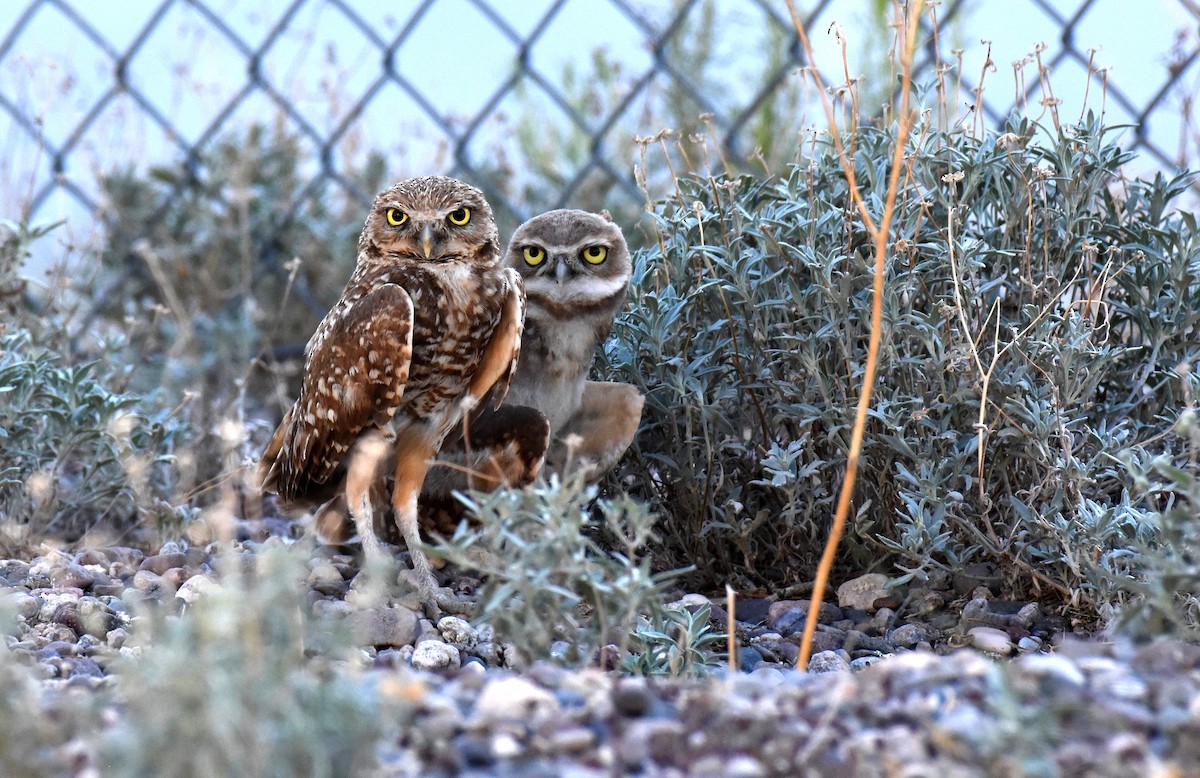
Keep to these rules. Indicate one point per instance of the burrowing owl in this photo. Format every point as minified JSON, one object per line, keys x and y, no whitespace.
{"x":428,"y":326}
{"x":576,"y":269}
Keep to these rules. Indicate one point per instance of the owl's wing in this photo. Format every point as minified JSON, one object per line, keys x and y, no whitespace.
{"x":499,"y":363}
{"x":354,"y":378}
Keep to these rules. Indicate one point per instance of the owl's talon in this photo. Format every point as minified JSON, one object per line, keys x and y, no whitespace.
{"x":445,"y":602}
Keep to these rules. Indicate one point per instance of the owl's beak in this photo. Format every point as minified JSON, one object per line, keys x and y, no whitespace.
{"x":560,"y":269}
{"x":427,"y":240}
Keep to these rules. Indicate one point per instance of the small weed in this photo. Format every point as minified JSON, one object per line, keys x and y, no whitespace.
{"x":677,"y":642}
{"x":549,"y":577}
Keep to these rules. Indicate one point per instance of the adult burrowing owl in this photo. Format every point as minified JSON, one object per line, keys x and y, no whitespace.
{"x":576,"y":269}
{"x":427,"y":327}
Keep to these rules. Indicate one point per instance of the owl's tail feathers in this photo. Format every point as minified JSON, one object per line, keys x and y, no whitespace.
{"x":270,"y":466}
{"x":281,"y":470}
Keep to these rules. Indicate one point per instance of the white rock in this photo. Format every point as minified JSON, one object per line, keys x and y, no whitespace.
{"x":435,"y":655}
{"x":456,"y":630}
{"x":991,"y":640}
{"x":689,"y":601}
{"x":52,"y":601}
{"x":515,"y":699}
{"x":862,"y":592}
{"x":771,"y":676}
{"x":1053,"y":666}
{"x":864,"y":662}
{"x":828,"y":662}
{"x":26,"y":605}
{"x":505,"y":746}
{"x":196,"y":587}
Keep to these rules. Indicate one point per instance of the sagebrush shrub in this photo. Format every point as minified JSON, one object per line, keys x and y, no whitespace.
{"x":1037,"y":308}
{"x":74,"y":453}
{"x":560,"y":566}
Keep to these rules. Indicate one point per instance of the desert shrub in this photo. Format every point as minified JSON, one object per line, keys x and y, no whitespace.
{"x":561,"y":567}
{"x":677,"y":642}
{"x":1163,"y":592}
{"x":1037,"y":307}
{"x":74,"y":453}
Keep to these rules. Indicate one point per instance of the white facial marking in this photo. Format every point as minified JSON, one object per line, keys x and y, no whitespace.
{"x":584,"y":288}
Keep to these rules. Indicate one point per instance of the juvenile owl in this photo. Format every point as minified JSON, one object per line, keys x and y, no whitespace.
{"x":576,"y":267}
{"x":427,"y":328}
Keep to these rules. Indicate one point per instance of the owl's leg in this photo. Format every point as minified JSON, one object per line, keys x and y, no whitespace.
{"x":370,"y":453}
{"x":414,"y":448}
{"x":598,"y":434}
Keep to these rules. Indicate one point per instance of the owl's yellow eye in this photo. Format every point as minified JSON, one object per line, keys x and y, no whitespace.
{"x":595,"y":254}
{"x":460,"y":217}
{"x":535,"y":255}
{"x":396,"y":217}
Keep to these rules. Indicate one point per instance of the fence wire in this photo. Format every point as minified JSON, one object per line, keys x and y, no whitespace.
{"x":661,"y":27}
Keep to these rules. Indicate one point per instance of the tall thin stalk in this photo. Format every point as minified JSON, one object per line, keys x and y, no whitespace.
{"x":879,"y":233}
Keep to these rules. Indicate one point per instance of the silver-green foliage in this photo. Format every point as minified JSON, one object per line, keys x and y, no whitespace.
{"x":551,"y":573}
{"x":1025,"y":275}
{"x":75,"y":453}
{"x":675,"y":642}
{"x":245,"y":682}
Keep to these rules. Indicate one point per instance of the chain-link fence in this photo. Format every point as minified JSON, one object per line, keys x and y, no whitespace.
{"x":481,"y":88}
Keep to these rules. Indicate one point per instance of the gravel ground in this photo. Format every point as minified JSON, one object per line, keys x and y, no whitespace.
{"x":962,"y":684}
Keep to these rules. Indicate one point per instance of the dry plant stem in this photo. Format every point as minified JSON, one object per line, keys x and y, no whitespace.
{"x":879,"y":235}
{"x":986,"y":371}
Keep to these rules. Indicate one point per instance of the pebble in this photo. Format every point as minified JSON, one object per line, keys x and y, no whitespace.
{"x":863,"y":662}
{"x":24,"y":604}
{"x":456,"y":630}
{"x":489,"y":653}
{"x":571,"y":739}
{"x":690,"y":602}
{"x":991,"y":640}
{"x":1029,"y":643}
{"x":434,"y":655}
{"x":752,"y":610}
{"x":116,"y":638}
{"x":749,"y":659}
{"x":827,"y":662}
{"x":772,"y":676}
{"x":909,"y":635}
{"x":152,"y":584}
{"x":161,"y":563}
{"x":394,"y":626}
{"x":513,"y":698}
{"x":631,"y":697}
{"x":326,"y":579}
{"x":863,"y":592}
{"x":1141,"y":704}
{"x":73,"y":575}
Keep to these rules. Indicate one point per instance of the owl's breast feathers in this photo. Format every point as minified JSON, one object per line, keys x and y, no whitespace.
{"x":403,"y":345}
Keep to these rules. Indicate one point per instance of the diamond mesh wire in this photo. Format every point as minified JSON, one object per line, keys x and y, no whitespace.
{"x":659,"y":31}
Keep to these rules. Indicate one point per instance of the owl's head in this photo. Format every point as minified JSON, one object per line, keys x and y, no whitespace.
{"x":570,"y":255}
{"x":430,"y":219}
